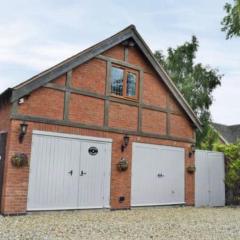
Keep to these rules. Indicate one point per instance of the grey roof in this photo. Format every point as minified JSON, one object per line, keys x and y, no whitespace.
{"x":230,"y":133}
{"x":130,"y":32}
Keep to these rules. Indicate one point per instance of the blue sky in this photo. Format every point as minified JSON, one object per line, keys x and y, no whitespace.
{"x":35,"y":35}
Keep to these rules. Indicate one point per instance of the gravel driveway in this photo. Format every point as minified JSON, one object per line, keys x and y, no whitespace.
{"x":140,"y":223}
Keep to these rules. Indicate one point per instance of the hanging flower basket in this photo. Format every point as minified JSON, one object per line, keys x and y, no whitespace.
{"x":20,"y":160}
{"x":191,"y":169}
{"x":123,"y":165}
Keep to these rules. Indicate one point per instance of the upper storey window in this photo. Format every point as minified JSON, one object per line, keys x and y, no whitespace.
{"x":124,"y":82}
{"x":131,"y":84}
{"x":117,"y":81}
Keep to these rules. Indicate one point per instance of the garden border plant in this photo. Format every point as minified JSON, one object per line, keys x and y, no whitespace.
{"x":232,"y":176}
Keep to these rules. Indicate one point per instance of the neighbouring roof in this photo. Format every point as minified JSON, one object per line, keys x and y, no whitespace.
{"x":229,"y":133}
{"x":128,"y":33}
{"x":5,"y":96}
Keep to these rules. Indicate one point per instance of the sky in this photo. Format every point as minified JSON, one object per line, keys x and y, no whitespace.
{"x":37,"y":34}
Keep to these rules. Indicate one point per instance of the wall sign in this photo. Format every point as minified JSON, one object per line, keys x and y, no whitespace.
{"x":93,"y":151}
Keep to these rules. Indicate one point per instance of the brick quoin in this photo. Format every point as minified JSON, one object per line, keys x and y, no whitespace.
{"x":92,"y":77}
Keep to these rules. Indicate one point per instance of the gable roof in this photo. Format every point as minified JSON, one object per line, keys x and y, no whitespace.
{"x":230,"y":134}
{"x":130,"y":32}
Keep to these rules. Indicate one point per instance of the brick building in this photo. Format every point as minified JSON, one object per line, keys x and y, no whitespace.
{"x":105,"y":128}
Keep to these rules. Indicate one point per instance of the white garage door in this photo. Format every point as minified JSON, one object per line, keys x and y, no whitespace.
{"x":68,"y":172}
{"x":157,"y":175}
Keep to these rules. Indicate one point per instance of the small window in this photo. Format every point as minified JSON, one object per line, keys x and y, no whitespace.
{"x":124,"y":82}
{"x":117,"y":81}
{"x":131,"y":84}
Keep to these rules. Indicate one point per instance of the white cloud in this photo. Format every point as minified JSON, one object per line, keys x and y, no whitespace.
{"x":52,"y":53}
{"x":14,"y":34}
{"x":39,"y":57}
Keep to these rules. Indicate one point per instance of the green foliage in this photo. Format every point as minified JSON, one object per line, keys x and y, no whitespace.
{"x":231,"y":22}
{"x":195,"y":81}
{"x":232,"y":178}
{"x":211,"y":139}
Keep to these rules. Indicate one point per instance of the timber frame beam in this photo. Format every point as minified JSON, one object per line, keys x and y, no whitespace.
{"x":67,"y":89}
{"x":129,"y":33}
{"x":99,"y":128}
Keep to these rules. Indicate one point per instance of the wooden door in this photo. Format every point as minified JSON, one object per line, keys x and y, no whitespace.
{"x":68,"y":172}
{"x":93,"y":167}
{"x":53,"y":182}
{"x":3,"y":140}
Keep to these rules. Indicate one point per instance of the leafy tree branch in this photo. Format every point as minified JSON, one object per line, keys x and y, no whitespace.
{"x":195,"y":81}
{"x":231,"y":22}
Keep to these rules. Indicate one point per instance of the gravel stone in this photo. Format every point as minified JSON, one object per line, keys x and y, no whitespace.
{"x":139,"y":223}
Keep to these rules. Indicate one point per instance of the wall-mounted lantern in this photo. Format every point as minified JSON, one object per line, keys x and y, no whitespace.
{"x":125,"y":142}
{"x":23,"y":131}
{"x":192,"y":150}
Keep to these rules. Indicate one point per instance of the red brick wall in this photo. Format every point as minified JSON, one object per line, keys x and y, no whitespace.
{"x":180,"y":126}
{"x":123,"y":116}
{"x":16,"y":179}
{"x":154,"y":92}
{"x":91,"y":76}
{"x":137,"y":58}
{"x":174,"y":106}
{"x":116,"y":52}
{"x":5,"y":111}
{"x":44,"y":103}
{"x":60,"y":80}
{"x":154,"y":122}
{"x":87,"y":110}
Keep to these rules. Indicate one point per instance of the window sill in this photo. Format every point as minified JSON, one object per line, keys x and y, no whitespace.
{"x":124,"y":98}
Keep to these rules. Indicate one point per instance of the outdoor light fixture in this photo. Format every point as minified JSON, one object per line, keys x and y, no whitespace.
{"x":23,"y":131}
{"x":125,"y":142}
{"x":192,"y":151}
{"x":131,"y":43}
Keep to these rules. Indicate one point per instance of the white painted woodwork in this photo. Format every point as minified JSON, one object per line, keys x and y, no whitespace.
{"x":209,"y":179}
{"x":55,"y":180}
{"x":157,"y":175}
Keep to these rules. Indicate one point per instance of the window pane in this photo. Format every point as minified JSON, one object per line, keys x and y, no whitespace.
{"x":131,"y":84}
{"x":117,"y":81}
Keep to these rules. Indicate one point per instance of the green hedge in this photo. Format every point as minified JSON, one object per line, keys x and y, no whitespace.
{"x":232,"y":177}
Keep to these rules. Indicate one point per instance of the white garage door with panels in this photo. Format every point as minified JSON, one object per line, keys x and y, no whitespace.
{"x":209,"y":179}
{"x":69,"y":172}
{"x":157,"y":175}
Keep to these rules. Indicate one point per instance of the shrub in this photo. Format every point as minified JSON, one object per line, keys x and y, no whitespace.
{"x":232,"y":177}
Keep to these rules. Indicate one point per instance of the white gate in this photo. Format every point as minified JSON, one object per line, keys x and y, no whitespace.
{"x":68,"y":172}
{"x":209,"y":179}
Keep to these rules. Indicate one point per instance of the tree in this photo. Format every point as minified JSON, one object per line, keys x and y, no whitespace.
{"x":195,"y":81}
{"x":231,"y":22}
{"x":212,"y":138}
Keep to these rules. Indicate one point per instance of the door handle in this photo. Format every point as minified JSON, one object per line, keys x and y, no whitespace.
{"x":160,"y":175}
{"x":71,"y":172}
{"x":82,"y":173}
